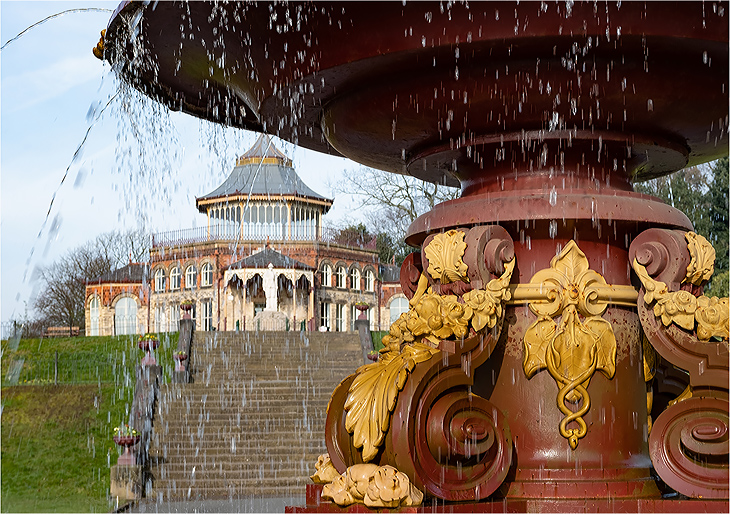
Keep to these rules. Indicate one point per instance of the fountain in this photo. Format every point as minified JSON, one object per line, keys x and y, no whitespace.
{"x":554,"y":312}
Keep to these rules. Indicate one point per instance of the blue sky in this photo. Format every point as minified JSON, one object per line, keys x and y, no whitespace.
{"x":52,"y":89}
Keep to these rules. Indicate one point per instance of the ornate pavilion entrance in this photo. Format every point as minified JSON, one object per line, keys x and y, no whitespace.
{"x":268,"y":291}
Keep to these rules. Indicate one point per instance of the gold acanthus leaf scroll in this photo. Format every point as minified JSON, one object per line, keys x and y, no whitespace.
{"x":702,"y":259}
{"x":444,"y":254}
{"x":414,"y":337}
{"x":373,"y":394}
{"x":573,"y":349}
{"x":684,"y":309}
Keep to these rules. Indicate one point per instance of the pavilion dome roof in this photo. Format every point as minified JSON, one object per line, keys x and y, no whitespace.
{"x":263,"y":170}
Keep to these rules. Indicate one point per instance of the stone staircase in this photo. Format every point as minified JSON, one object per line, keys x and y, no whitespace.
{"x":252,"y":422}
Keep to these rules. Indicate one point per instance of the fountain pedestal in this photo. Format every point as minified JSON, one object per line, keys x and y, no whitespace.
{"x":546,"y":301}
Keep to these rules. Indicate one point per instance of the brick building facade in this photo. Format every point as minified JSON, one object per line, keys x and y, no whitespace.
{"x":262,"y":217}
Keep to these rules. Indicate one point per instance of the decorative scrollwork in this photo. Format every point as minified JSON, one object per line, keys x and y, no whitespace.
{"x":373,"y":394}
{"x":689,"y":447}
{"x":434,"y":317}
{"x":689,"y":440}
{"x":463,"y":448}
{"x":702,"y":255}
{"x":444,"y":254}
{"x":573,"y":349}
{"x":684,"y":309}
{"x":389,"y":411}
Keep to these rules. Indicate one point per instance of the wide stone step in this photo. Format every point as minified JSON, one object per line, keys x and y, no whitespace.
{"x":250,"y":383}
{"x":251,"y":423}
{"x":207,"y":475}
{"x":222,"y":436}
{"x":250,"y":420}
{"x":249,"y":483}
{"x":167,"y":492}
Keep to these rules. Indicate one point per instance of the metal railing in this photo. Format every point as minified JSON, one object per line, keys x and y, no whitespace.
{"x":259,"y":232}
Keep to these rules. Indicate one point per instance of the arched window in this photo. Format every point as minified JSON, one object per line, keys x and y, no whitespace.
{"x":355,"y":279}
{"x":397,"y":307}
{"x":326,"y":276}
{"x":341,"y":277}
{"x":206,"y":275}
{"x":160,"y":280}
{"x":191,"y":277}
{"x":125,"y":317}
{"x":94,"y":315}
{"x":369,"y":281}
{"x":174,"y":279}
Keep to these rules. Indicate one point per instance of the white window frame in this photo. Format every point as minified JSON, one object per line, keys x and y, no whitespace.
{"x":206,"y":275}
{"x":191,"y":277}
{"x":160,"y":280}
{"x":326,"y":275}
{"x":402,"y":302}
{"x":174,"y":318}
{"x":161,"y":317}
{"x":369,"y":281}
{"x":339,"y":317}
{"x":207,"y":308}
{"x":341,"y":276}
{"x":325,"y":315}
{"x":125,"y":321}
{"x":94,"y":305}
{"x":355,"y":279}
{"x":175,"y":278}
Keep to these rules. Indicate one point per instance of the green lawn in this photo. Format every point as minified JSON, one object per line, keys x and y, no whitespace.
{"x":57,"y":439}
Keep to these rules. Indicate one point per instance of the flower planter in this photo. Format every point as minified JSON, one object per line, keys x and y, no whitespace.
{"x":127,"y":441}
{"x":362,"y":307}
{"x":187,"y":309}
{"x":179,"y":359}
{"x":148,"y":345}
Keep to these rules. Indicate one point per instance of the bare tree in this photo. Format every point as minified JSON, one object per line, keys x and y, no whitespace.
{"x":392,"y":201}
{"x":61,"y":300}
{"x":122,"y":247}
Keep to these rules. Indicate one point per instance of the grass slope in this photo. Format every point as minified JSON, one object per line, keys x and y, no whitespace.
{"x":57,"y":439}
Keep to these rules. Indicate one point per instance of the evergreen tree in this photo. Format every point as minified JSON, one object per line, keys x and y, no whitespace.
{"x":717,"y":201}
{"x":703,"y":197}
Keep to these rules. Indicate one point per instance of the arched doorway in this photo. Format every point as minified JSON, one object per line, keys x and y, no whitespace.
{"x":125,"y":316}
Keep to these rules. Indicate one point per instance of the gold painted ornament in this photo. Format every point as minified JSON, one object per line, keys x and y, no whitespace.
{"x":374,"y":486}
{"x":444,"y":254}
{"x":413,"y":338}
{"x":710,"y":314}
{"x":577,"y":346}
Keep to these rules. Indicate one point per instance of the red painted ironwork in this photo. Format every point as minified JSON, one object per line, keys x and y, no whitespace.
{"x":545,"y":115}
{"x":689,"y":442}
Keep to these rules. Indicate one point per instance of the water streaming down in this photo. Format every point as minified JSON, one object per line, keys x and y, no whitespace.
{"x":251,"y":423}
{"x":545,"y":118}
